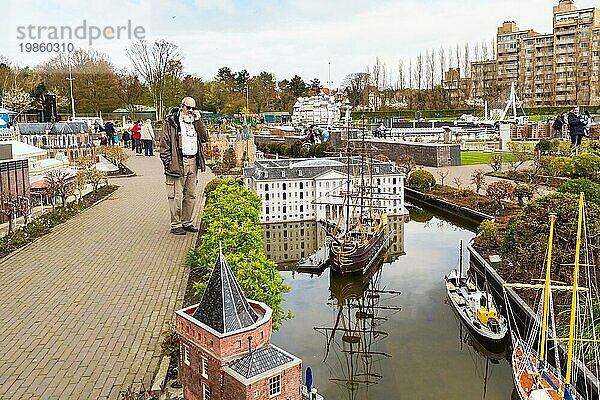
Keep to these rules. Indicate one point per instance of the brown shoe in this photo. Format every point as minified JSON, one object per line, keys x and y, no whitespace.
{"x":178,"y":231}
{"x":190,"y":228}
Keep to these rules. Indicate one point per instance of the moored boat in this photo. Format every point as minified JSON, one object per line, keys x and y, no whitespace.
{"x":476,"y":308}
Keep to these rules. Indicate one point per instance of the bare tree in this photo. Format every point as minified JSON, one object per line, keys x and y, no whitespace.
{"x":401,"y":76}
{"x":419,"y":70}
{"x":153,"y":64}
{"x":478,"y":179}
{"x":443,"y":173}
{"x":457,"y":180}
{"x":355,"y":86}
{"x":8,"y":208}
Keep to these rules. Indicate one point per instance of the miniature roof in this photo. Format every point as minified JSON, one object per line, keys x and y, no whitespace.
{"x":223,"y":306}
{"x":259,"y":361}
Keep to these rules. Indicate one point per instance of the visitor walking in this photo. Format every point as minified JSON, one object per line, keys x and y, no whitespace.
{"x":576,"y":126}
{"x":137,"y":133}
{"x":181,"y":153}
{"x":588,"y":123}
{"x":109,"y":128}
{"x":557,"y":127}
{"x":126,"y":136}
{"x":147,"y":136}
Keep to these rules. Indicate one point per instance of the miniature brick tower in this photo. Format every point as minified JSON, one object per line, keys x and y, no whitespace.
{"x":225,"y":346}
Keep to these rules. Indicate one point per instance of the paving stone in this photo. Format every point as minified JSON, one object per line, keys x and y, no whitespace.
{"x":88,"y":301}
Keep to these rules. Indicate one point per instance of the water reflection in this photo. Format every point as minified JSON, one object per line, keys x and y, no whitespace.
{"x":486,"y":355}
{"x":287,"y":243}
{"x":353,"y":352}
{"x":427,"y":359}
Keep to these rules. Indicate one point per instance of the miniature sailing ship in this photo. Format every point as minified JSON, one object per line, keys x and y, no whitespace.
{"x":475,"y":307}
{"x":359,"y":235}
{"x":354,"y":338}
{"x":535,"y":378}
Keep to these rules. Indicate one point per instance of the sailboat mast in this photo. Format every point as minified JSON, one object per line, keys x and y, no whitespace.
{"x":547,"y":292}
{"x":362,"y":171}
{"x":347,"y":197}
{"x":460,"y":262}
{"x":574,"y":296}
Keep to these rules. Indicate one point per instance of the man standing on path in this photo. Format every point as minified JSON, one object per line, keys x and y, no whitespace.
{"x":576,"y":125}
{"x":181,"y":153}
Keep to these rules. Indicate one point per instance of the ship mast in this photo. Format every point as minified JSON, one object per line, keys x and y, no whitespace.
{"x":568,"y":394}
{"x":347,"y":198}
{"x":546,"y":293}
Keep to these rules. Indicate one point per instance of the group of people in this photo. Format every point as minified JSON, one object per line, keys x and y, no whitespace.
{"x":142,"y":136}
{"x":578,"y":123}
{"x":109,"y":134}
{"x":315,"y":135}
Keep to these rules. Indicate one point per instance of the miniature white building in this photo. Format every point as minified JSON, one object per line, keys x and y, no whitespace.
{"x":311,"y":189}
{"x":319,"y":110}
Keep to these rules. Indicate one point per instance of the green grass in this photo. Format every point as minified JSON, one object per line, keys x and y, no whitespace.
{"x":479,"y":157}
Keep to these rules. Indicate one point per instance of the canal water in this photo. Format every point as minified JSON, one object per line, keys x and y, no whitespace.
{"x":395,"y":337}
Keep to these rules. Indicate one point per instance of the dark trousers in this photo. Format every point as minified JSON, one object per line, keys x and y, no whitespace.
{"x":148,"y":147}
{"x":138,"y":146}
{"x":126,"y":143}
{"x":133,"y":144}
{"x":576,"y":139}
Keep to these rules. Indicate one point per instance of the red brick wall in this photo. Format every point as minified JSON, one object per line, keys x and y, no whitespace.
{"x":191,"y":375}
{"x":291,"y":383}
{"x":234,"y":390}
{"x":14,"y":179}
{"x":228,"y":346}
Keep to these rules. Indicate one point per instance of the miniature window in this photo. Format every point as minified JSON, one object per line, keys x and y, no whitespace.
{"x":206,"y":392}
{"x":205,"y":369}
{"x":186,"y":355}
{"x":275,"y":386}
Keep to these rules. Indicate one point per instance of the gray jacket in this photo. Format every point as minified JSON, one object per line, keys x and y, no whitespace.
{"x":170,"y":144}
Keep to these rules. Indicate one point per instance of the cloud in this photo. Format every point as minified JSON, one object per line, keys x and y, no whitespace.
{"x":290,"y":37}
{"x":215,"y":5}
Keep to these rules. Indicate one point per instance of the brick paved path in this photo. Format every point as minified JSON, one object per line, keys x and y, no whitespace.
{"x":82,"y":309}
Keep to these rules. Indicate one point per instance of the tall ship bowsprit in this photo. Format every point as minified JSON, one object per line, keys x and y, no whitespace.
{"x":352,"y":344}
{"x":357,"y":234}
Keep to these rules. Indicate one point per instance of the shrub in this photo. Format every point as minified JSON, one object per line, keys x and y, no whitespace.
{"x":487,"y":234}
{"x":421,"y":180}
{"x":523,"y":191}
{"x":213,"y":184}
{"x":464,"y":192}
{"x":557,"y":166}
{"x":499,"y":191}
{"x":576,"y":186}
{"x":543,"y":146}
{"x":586,"y":165}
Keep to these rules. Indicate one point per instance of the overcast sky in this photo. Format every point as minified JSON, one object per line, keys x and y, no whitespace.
{"x":280,"y":36}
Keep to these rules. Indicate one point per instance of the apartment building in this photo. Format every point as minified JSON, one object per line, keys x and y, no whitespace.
{"x":555,"y":69}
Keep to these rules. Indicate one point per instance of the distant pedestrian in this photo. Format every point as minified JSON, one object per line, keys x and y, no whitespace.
{"x":181,"y":153}
{"x":126,"y":136}
{"x":588,"y":123}
{"x":103,"y":139}
{"x":109,"y":128}
{"x":137,"y":132}
{"x":147,"y":137}
{"x":576,"y":127}
{"x":557,"y":127}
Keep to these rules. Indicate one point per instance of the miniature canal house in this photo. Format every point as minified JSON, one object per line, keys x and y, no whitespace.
{"x":225,"y":346}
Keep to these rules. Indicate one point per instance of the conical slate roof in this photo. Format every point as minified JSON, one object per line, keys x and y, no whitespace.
{"x":223,"y":306}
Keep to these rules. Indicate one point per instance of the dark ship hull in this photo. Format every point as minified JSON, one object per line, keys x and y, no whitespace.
{"x":356,"y":257}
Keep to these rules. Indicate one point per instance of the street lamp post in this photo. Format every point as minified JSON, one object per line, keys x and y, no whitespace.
{"x":70,"y":79}
{"x":247,"y":97}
